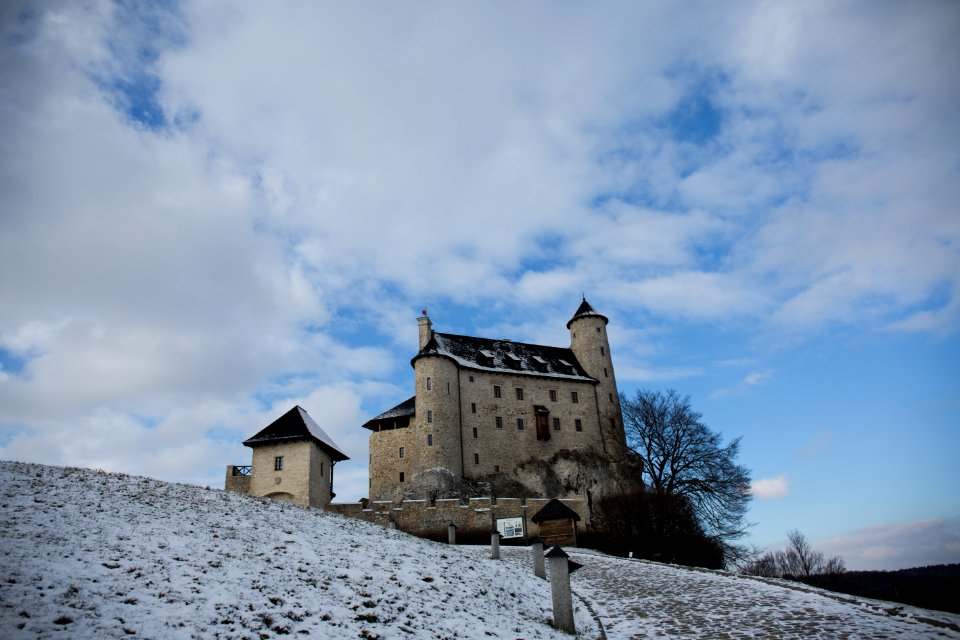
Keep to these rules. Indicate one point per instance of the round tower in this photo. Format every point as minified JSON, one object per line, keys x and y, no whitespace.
{"x":588,"y":341}
{"x":437,"y":419}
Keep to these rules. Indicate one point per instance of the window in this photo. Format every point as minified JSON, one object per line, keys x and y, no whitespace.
{"x":578,"y":425}
{"x":471,"y":378}
{"x":473,"y":407}
{"x":448,"y":388}
{"x":429,"y":384}
{"x":499,"y":422}
{"x":553,"y":395}
{"x":321,"y":469}
{"x":611,"y":397}
{"x":519,"y":424}
{"x":496,"y":468}
{"x":401,"y":452}
{"x":476,"y":458}
{"x":598,"y":329}
{"x":401,"y":476}
{"x":519,"y":393}
{"x":429,"y":416}
{"x":429,"y":439}
{"x":475,"y":432}
{"x":574,"y":397}
{"x":556,"y":424}
{"x":605,"y":374}
{"x":496,"y":391}
{"x":601,"y":351}
{"x":278,"y":463}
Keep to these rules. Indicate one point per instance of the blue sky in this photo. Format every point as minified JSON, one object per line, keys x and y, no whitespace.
{"x":212,"y":211}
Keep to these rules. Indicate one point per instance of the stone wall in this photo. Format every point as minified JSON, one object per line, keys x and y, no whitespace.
{"x":235,"y":481}
{"x":304,"y":479}
{"x":475,"y":518}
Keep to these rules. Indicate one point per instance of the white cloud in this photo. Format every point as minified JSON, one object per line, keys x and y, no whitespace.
{"x":770,"y":488}
{"x":331,"y":169}
{"x":898,"y":545}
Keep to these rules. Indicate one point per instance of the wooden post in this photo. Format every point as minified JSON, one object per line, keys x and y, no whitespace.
{"x":560,"y":590}
{"x":495,"y":545}
{"x":452,"y":533}
{"x":536,"y":550}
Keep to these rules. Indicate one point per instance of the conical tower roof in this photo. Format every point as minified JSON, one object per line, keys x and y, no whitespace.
{"x":586,"y":311}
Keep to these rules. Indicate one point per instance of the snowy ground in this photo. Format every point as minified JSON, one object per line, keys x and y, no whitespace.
{"x":94,"y":555}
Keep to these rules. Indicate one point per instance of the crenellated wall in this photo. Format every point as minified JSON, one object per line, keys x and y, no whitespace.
{"x":475,"y":518}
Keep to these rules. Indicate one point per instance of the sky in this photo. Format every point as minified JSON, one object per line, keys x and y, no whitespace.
{"x":213,"y":211}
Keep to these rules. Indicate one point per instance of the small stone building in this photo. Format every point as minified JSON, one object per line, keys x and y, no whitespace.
{"x":524,"y":420}
{"x":293,"y":459}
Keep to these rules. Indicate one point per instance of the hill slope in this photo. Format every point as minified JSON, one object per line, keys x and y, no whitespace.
{"x":86,"y":554}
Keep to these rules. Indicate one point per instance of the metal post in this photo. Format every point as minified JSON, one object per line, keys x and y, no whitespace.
{"x":536,"y":550}
{"x":495,"y":545}
{"x":560,"y":590}
{"x":452,"y":533}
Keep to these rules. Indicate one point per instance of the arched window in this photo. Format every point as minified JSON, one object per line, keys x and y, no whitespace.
{"x":429,"y":384}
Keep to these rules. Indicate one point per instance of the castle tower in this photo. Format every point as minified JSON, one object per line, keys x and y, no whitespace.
{"x":437,"y":423}
{"x":588,"y":341}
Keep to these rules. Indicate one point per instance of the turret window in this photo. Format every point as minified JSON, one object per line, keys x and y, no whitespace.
{"x":429,"y":416}
{"x":402,"y":476}
{"x":601,"y":352}
{"x":401,"y":452}
{"x":605,"y":374}
{"x":476,"y":458}
{"x":475,"y":434}
{"x":429,"y":439}
{"x":473,"y":407}
{"x":429,"y":384}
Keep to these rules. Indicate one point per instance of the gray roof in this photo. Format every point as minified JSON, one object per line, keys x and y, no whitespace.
{"x":405,"y":408}
{"x":506,"y":356}
{"x":296,"y":424}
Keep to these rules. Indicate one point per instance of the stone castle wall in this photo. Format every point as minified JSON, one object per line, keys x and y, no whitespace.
{"x":304,"y":479}
{"x":475,"y":518}
{"x":464,"y":434}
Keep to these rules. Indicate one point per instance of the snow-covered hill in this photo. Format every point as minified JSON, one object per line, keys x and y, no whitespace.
{"x":85,"y":554}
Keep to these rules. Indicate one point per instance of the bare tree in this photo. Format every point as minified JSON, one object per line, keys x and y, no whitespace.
{"x":801,"y":558}
{"x":683,"y":457}
{"x":798,"y":560}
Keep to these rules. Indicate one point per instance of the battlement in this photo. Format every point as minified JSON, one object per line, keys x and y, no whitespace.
{"x":474,"y":518}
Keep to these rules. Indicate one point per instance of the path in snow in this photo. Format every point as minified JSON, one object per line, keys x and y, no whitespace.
{"x":638,"y":599}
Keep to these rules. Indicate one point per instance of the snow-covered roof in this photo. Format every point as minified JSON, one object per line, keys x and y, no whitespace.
{"x":296,"y":424}
{"x":506,"y":356}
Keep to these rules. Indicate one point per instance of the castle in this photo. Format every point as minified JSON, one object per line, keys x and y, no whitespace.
{"x":497,"y":417}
